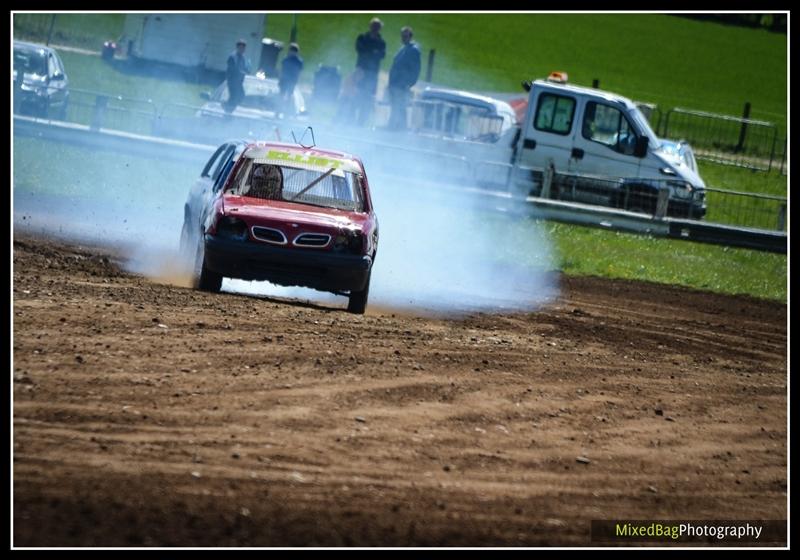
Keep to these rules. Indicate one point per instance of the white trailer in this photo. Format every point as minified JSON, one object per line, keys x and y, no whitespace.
{"x":192,"y":40}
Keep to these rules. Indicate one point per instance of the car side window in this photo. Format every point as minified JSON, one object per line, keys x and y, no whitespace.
{"x":224,"y":174}
{"x":554,"y":113}
{"x":609,"y":126}
{"x":226,"y":156}
{"x":209,"y":166}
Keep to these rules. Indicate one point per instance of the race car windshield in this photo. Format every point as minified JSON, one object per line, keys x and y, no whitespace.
{"x":329,"y":188}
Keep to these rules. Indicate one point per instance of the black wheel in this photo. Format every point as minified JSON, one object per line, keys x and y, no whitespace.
{"x":358,"y":299}
{"x":205,"y":279}
{"x":209,"y":281}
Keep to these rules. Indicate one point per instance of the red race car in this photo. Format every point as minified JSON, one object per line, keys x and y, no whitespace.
{"x":289,"y":214}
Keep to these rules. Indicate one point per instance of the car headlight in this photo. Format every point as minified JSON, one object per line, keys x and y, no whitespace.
{"x":349,"y":242}
{"x":229,"y":227}
{"x":682,"y":190}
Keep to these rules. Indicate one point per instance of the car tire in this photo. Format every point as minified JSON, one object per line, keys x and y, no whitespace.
{"x":358,"y":299}
{"x":205,"y":279}
{"x":185,"y":242}
{"x":209,"y":281}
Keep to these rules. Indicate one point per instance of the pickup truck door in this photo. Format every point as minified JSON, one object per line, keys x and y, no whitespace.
{"x":605,"y":146}
{"x":549,"y":132}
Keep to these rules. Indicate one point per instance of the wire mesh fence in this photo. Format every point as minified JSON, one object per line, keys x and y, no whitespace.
{"x":725,"y":139}
{"x":664,"y":198}
{"x":99,"y":110}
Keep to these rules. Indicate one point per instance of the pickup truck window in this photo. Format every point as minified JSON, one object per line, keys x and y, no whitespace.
{"x":609,"y":126}
{"x":554,"y":113}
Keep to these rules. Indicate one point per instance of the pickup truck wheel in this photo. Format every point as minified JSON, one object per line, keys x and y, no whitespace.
{"x":358,"y":300}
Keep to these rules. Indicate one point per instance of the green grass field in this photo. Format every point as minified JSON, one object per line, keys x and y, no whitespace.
{"x":663,"y":59}
{"x":667,"y":60}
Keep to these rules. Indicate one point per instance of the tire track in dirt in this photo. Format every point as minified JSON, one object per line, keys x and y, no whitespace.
{"x":151,"y":414}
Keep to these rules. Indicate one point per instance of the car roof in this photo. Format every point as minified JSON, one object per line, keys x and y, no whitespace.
{"x":299,"y":154}
{"x":22,"y":45}
{"x":590,"y":92}
{"x":466,"y":98}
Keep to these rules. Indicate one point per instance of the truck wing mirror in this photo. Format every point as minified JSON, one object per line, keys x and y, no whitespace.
{"x":642,"y":143}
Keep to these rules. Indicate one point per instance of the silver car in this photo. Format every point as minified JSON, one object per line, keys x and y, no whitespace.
{"x":261,"y":101}
{"x":44,"y":89}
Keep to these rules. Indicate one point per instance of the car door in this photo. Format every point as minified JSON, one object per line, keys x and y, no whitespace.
{"x":548,"y":136}
{"x":199,"y":192}
{"x":60,"y":80}
{"x":55,"y":83}
{"x":606,"y":145}
{"x":210,"y":178}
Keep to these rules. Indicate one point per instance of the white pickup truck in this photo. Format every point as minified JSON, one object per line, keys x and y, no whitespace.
{"x":599,"y":146}
{"x":604,"y":152}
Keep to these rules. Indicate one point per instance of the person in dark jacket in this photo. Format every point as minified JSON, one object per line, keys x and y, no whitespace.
{"x":402,"y":76}
{"x":291,"y":67}
{"x":238,"y":68}
{"x":371,"y":49}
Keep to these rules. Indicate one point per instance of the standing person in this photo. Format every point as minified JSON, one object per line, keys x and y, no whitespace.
{"x":402,"y":76}
{"x":238,"y":68}
{"x":371,"y":49}
{"x":291,"y":67}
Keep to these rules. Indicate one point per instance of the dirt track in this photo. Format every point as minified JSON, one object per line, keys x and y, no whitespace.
{"x":150,"y":414}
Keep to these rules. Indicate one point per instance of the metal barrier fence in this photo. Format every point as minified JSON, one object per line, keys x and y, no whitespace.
{"x":747,"y":209}
{"x":651,"y":112}
{"x":724,"y":139}
{"x":667,"y":198}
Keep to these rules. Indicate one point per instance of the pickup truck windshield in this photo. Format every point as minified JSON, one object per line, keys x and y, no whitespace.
{"x":644,"y":127}
{"x":329,"y":188}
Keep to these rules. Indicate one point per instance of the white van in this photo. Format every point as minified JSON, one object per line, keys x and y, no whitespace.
{"x":605,"y":152}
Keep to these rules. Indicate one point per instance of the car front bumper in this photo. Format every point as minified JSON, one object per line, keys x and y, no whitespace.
{"x":251,"y":260}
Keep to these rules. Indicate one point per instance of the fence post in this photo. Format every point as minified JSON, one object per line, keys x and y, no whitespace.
{"x":743,"y":130}
{"x":782,"y":217}
{"x":547,"y":179}
{"x":50,"y":32}
{"x":100,"y":104}
{"x":662,"y":203}
{"x":429,"y":72}
{"x":783,"y":157}
{"x":293,"y":33}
